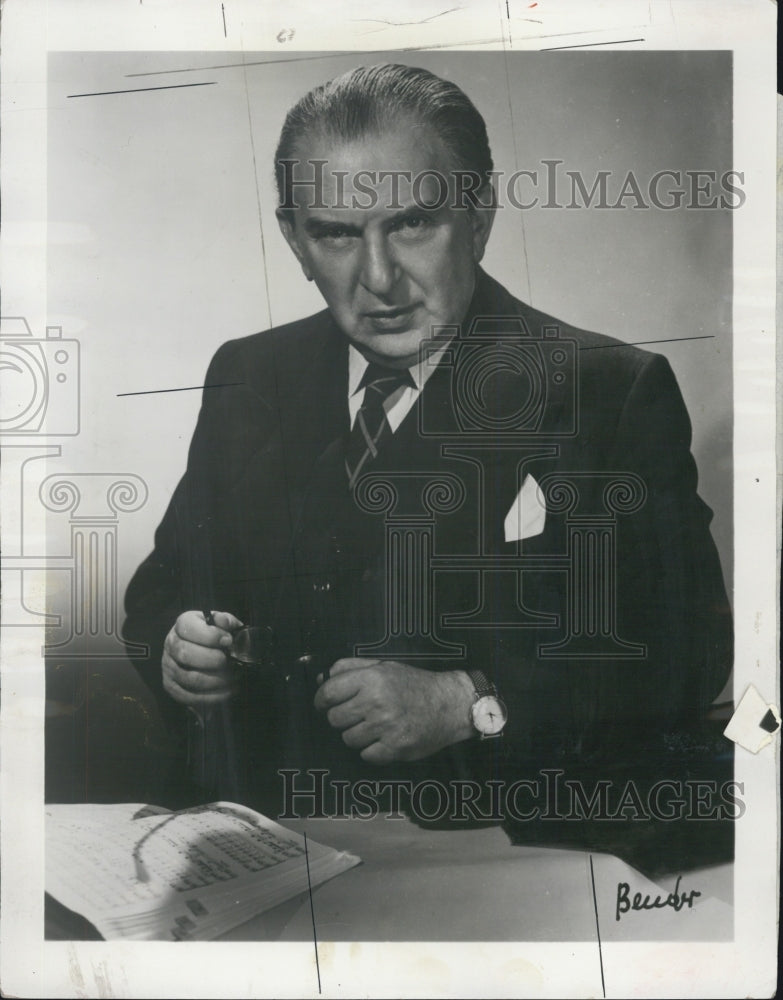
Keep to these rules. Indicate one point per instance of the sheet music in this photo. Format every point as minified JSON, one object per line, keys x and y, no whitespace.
{"x":176,"y":875}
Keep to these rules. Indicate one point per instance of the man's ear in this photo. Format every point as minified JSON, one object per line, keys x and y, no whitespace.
{"x":286,"y":223}
{"x":481,"y":220}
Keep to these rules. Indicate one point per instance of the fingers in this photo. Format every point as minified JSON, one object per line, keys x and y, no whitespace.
{"x":343,"y":696}
{"x":367,"y":739}
{"x":191,"y":656}
{"x":379,"y":753}
{"x":194,"y":665}
{"x":195,"y":680}
{"x":360,"y":736}
{"x":345,"y":715}
{"x":191,"y":627}
{"x":389,"y":711}
{"x":194,"y":644}
{"x":347,"y":679}
{"x":190,"y":698}
{"x":343,"y":681}
{"x":337,"y":690}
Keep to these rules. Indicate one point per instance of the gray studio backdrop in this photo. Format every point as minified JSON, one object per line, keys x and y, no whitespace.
{"x":163,"y":241}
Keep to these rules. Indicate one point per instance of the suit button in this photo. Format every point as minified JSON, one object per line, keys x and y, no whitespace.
{"x":367,"y":576}
{"x":304,"y":660}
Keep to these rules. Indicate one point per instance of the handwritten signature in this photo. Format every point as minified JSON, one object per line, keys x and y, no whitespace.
{"x":676,"y":900}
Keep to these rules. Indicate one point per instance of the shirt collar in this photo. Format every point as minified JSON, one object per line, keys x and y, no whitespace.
{"x":420,"y":372}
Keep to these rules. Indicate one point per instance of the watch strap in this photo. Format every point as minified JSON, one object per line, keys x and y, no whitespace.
{"x":482,"y":684}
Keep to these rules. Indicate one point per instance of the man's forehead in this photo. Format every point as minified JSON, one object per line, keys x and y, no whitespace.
{"x":395,"y":170}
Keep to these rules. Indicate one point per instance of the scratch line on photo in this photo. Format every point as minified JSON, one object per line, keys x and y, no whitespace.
{"x":584,"y":45}
{"x":183,"y":388}
{"x":312,"y":913}
{"x":597,"y":927}
{"x":140,"y":90}
{"x":639,"y":343}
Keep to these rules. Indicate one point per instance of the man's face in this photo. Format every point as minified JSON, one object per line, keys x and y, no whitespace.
{"x":389,"y":269}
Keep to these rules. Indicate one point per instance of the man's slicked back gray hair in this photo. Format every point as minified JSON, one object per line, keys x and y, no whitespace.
{"x":364,"y":100}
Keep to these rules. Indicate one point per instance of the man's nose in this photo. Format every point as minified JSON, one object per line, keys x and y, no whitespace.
{"x":379,"y":270}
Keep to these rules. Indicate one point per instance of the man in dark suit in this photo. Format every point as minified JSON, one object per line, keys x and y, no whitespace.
{"x":471,"y":532}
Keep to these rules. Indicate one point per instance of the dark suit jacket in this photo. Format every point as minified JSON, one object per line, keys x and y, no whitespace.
{"x":262,"y":518}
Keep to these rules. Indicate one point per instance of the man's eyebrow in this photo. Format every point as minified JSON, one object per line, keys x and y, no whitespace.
{"x":413,"y":209}
{"x":327,"y":227}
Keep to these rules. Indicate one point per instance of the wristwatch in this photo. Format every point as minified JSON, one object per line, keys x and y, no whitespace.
{"x":488,"y":713}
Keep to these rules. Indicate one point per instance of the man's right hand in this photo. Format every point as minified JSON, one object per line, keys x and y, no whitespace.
{"x":196,"y":669}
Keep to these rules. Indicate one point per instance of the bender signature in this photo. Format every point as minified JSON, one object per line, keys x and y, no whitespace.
{"x":676,"y":899}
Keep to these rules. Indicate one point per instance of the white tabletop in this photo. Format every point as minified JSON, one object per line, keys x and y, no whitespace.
{"x":418,"y":884}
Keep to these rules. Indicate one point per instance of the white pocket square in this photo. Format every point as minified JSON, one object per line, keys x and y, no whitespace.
{"x":527,"y":515}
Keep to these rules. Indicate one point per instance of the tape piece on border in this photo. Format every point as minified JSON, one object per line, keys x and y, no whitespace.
{"x":755,"y":722}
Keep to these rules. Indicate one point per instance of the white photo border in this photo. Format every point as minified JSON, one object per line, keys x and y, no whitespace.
{"x":745,"y":966}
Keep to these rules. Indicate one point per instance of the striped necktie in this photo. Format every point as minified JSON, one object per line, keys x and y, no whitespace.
{"x":371,"y":427}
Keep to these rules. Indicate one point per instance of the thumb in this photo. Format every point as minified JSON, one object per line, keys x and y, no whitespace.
{"x":226,"y":621}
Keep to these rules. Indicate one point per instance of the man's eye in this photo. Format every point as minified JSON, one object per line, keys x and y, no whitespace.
{"x":338,"y":233}
{"x":411,"y":224}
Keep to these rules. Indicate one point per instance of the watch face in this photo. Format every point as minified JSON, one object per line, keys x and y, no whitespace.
{"x":489,"y":715}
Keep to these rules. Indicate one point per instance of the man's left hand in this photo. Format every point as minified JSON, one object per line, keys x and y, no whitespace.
{"x":390,"y":711}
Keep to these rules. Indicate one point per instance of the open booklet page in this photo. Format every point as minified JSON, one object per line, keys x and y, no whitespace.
{"x":145,"y":873}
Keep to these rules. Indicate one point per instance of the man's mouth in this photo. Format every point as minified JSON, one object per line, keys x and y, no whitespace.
{"x":395,"y":318}
{"x":390,"y":313}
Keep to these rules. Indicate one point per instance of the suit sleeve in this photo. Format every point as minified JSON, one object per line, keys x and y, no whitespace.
{"x":669,"y":597}
{"x":177,"y":575}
